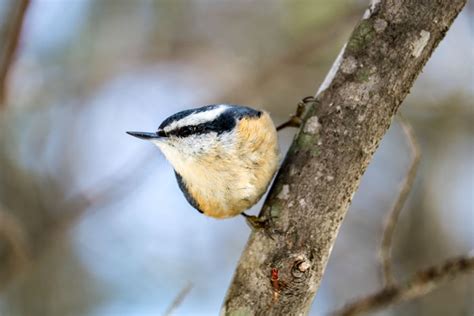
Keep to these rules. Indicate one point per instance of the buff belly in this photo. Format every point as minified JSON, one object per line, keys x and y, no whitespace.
{"x":231,"y":177}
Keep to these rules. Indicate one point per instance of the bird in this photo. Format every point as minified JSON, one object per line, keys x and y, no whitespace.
{"x":224,"y":156}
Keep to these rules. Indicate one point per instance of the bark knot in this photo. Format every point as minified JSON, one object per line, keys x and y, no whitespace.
{"x":300,"y":267}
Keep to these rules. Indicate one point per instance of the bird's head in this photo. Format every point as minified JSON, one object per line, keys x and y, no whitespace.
{"x":206,"y":132}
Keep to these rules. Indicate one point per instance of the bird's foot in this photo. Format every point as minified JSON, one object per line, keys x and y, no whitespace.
{"x":256,"y":223}
{"x":297,"y":118}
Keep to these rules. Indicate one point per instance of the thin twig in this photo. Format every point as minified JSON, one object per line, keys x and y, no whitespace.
{"x":10,"y":43}
{"x":420,"y":284}
{"x":178,"y":299}
{"x":385,"y":256}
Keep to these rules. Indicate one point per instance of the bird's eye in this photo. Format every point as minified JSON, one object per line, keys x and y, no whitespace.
{"x":185,"y":131}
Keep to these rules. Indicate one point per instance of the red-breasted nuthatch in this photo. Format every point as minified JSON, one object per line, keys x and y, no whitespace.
{"x":224,"y":156}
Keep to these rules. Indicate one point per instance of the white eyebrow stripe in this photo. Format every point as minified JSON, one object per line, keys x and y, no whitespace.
{"x":197,"y":118}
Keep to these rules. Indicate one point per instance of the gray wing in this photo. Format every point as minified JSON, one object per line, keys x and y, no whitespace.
{"x":185,"y":191}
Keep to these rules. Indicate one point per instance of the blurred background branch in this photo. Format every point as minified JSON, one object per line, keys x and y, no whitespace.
{"x":394,"y":213}
{"x":11,"y":23}
{"x":13,"y":248}
{"x":420,"y":284}
{"x":178,"y":300}
{"x":424,"y":281}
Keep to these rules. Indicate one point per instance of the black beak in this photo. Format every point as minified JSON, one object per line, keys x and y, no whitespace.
{"x":144,"y":135}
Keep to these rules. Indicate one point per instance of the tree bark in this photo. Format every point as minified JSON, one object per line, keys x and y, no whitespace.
{"x":281,"y":267}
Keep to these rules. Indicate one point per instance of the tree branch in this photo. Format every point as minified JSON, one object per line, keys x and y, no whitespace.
{"x":10,"y":30}
{"x":322,"y":170}
{"x":17,"y":254}
{"x":178,"y":300}
{"x":392,"y":217}
{"x":422,"y":283}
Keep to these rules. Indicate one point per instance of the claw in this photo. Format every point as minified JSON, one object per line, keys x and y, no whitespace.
{"x":296,"y":119}
{"x":255,"y":223}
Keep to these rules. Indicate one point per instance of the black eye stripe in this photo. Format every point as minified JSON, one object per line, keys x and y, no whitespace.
{"x":161,"y":133}
{"x":214,"y":126}
{"x":188,"y":130}
{"x":222,"y":124}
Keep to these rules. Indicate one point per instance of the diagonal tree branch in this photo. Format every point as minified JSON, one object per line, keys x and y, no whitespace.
{"x":280,"y":274}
